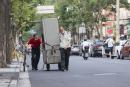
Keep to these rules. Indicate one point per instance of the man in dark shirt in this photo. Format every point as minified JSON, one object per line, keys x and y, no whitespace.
{"x":35,"y":45}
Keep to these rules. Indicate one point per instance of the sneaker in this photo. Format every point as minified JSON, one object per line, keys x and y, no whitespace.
{"x":66,"y":69}
{"x":63,"y":70}
{"x":36,"y":69}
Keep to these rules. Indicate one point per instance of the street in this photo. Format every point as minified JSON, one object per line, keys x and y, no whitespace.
{"x":94,"y":72}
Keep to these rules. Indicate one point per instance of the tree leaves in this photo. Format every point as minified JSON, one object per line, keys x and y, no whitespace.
{"x":22,"y":13}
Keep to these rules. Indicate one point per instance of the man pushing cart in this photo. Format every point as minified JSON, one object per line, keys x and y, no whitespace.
{"x":56,"y":49}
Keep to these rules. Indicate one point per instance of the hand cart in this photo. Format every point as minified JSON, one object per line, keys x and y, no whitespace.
{"x":51,"y":52}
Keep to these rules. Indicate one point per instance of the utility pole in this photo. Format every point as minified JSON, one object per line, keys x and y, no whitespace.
{"x":117,"y":19}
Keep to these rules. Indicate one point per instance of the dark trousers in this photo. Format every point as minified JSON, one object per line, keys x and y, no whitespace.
{"x":65,"y":54}
{"x":111,"y":50}
{"x":35,"y":57}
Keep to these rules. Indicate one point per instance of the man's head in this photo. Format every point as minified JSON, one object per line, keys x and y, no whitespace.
{"x":122,"y":37}
{"x":61,"y":30}
{"x":35,"y":36}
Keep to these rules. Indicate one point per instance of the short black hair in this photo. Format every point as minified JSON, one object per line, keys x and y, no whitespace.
{"x":34,"y":35}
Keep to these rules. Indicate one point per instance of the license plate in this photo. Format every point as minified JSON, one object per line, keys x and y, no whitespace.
{"x":86,"y":54}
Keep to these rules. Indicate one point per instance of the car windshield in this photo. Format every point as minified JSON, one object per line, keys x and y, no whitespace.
{"x":99,"y":43}
{"x":90,"y":41}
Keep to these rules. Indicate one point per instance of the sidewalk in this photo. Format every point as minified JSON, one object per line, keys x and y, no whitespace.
{"x":13,"y":76}
{"x":9,"y":76}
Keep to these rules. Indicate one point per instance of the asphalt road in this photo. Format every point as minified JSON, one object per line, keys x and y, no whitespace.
{"x":94,"y":72}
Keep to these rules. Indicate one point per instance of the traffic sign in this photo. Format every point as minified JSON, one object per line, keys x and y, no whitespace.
{"x":45,"y":9}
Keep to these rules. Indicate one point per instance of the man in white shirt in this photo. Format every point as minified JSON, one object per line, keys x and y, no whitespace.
{"x":110,"y":43}
{"x":65,"y":48}
{"x":84,"y":44}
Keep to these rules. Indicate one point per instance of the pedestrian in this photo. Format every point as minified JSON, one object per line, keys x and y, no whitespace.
{"x":110,"y":44}
{"x":85,"y":44}
{"x":122,"y":40}
{"x":65,"y":48}
{"x":35,"y":42}
{"x":20,"y":37}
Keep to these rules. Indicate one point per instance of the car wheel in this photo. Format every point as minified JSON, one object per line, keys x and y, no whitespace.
{"x":48,"y":67}
{"x":129,"y":55}
{"x":80,"y":54}
{"x":121,"y":56}
{"x":90,"y":55}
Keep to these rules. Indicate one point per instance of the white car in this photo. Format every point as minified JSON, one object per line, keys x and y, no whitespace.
{"x":75,"y":50}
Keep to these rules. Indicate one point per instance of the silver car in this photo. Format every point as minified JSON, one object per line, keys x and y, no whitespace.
{"x":75,"y":50}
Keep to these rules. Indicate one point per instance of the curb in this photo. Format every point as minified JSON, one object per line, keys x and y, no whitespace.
{"x":24,"y":80}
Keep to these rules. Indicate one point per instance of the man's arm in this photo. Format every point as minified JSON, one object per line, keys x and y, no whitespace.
{"x":30,"y":41}
{"x":106,"y":41}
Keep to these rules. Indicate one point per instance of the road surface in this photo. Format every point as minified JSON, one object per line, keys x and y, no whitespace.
{"x":94,"y":72}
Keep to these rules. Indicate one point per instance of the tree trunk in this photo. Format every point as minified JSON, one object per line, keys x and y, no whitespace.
{"x":8,"y":32}
{"x":2,"y":33}
{"x":98,"y":31}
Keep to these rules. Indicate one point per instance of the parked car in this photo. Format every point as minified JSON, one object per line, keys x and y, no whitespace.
{"x":123,"y":51}
{"x":97,"y":49}
{"x":75,"y":50}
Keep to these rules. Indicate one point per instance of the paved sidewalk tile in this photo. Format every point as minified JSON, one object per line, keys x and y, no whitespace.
{"x":9,"y":76}
{"x":4,"y":82}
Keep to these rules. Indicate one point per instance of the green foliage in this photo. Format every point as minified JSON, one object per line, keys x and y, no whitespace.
{"x":74,"y":12}
{"x":22,"y":13}
{"x":26,"y":36}
{"x":70,"y":12}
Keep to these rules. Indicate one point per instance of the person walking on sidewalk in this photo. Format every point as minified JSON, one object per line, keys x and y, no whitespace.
{"x":35,"y":51}
{"x":65,"y":48}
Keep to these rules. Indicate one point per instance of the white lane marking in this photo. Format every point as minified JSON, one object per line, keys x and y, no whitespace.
{"x":105,"y":74}
{"x":24,"y":80}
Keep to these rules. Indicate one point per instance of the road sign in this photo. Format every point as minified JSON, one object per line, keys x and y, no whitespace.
{"x":45,"y":9}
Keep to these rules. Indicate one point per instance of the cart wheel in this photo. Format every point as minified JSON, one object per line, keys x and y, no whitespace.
{"x":48,"y":67}
{"x":59,"y":66}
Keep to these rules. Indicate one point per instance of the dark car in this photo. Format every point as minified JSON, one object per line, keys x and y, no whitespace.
{"x":98,"y":48}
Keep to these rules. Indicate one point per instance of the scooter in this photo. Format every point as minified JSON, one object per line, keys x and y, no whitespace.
{"x":86,"y":52}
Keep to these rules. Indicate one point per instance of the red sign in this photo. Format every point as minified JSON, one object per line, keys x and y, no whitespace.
{"x":109,"y":31}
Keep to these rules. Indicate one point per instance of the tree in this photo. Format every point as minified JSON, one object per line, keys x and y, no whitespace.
{"x":22,"y":13}
{"x":4,"y":25}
